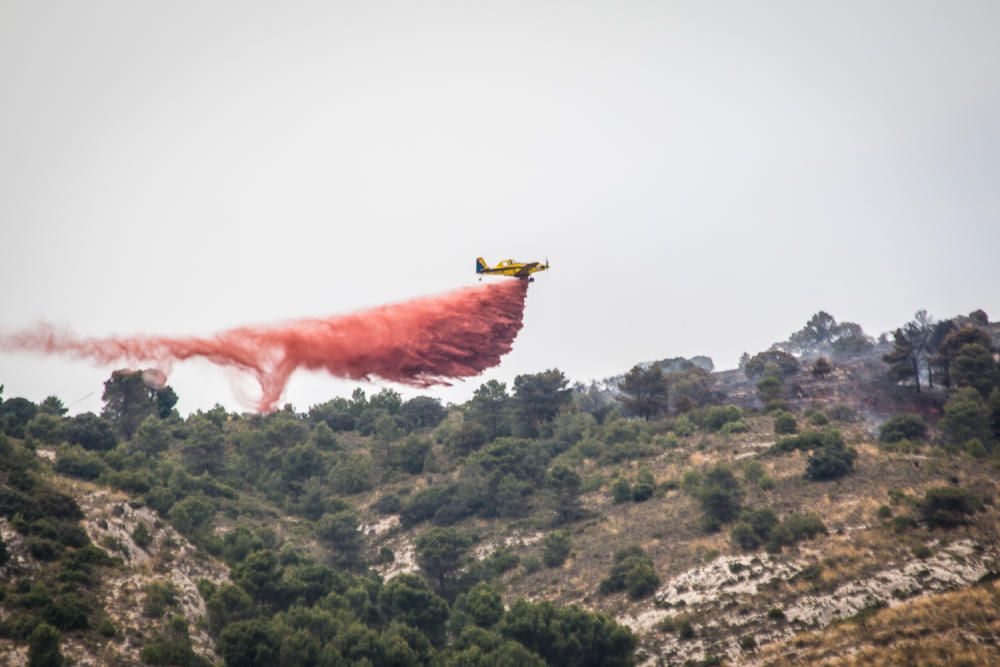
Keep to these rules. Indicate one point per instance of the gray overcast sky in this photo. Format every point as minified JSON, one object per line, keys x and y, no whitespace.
{"x":703,"y":176}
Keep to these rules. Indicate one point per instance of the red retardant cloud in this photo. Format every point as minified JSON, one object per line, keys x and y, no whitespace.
{"x":420,"y":343}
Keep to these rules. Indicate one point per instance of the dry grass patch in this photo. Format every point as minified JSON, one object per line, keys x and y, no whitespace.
{"x":957,"y":628}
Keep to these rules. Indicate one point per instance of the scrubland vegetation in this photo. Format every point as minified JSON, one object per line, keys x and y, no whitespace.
{"x":540,"y":523}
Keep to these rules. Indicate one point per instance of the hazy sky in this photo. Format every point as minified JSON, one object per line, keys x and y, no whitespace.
{"x":703,"y":176}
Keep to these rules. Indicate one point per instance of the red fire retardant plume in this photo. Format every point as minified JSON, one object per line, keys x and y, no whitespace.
{"x":420,"y":343}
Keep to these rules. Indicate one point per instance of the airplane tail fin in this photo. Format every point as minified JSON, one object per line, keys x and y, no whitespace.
{"x":481,"y":265}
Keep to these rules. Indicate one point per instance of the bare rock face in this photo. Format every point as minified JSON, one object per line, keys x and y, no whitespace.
{"x":726,"y":598}
{"x":110,"y":521}
{"x":954,"y":566}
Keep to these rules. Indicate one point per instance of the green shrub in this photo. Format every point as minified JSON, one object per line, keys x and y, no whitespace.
{"x":633,"y":571}
{"x":44,"y":428}
{"x":668,"y":441}
{"x":821,"y":368}
{"x":75,"y":461}
{"x":556,"y":548}
{"x":423,"y":504}
{"x":641,"y":580}
{"x":468,"y":437}
{"x":921,"y":551}
{"x":805,"y":442}
{"x":817,"y":418}
{"x":483,"y":604}
{"x":389,"y":504}
{"x":842,"y":413}
{"x":774,"y":363}
{"x":719,"y":494}
{"x":43,"y":647}
{"x":682,"y":426}
{"x":141,"y":536}
{"x":106,"y":628}
{"x":743,"y":536}
{"x":159,"y":595}
{"x":753,"y":471}
{"x":966,"y":416}
{"x":173,"y":647}
{"x":43,"y":549}
{"x":795,"y":528}
{"x":771,"y":391}
{"x":644,"y":486}
{"x":714,"y":417}
{"x":668,"y":624}
{"x":754,"y":528}
{"x":531,"y":564}
{"x":902,"y":427}
{"x":975,"y":449}
{"x":352,"y":474}
{"x":738,"y":426}
{"x":498,"y":562}
{"x":948,"y":506}
{"x":784,"y":423}
{"x":830,"y":462}
{"x":776,"y":614}
{"x":568,"y":635}
{"x":902,"y":523}
{"x":642,"y":491}
{"x":621,"y":490}
{"x":810,"y":572}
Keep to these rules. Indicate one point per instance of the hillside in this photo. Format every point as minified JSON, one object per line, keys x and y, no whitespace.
{"x":793,"y":511}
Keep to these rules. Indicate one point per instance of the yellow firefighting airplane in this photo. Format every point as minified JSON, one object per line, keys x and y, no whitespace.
{"x":509,"y":267}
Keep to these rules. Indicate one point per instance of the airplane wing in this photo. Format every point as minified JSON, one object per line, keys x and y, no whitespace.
{"x":526,"y":269}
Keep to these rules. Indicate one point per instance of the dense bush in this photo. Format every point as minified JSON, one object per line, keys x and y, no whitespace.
{"x":389,"y":504}
{"x":948,"y":506}
{"x":556,"y":548}
{"x":842,"y":413}
{"x":141,"y":536}
{"x":440,"y":552}
{"x":621,"y":490}
{"x":966,"y":416}
{"x":771,"y":391}
{"x":424,"y":504}
{"x":771,"y":362}
{"x":77,"y":462}
{"x":784,"y":423}
{"x":158,"y":596}
{"x":719,"y":493}
{"x":821,"y":368}
{"x":902,"y":427}
{"x":738,"y":426}
{"x":173,"y":647}
{"x":351,"y":475}
{"x":43,"y":647}
{"x":631,"y":571}
{"x":830,"y":462}
{"x":817,"y":418}
{"x":760,"y":527}
{"x":568,"y":635}
{"x":644,"y":486}
{"x":482,"y":604}
{"x":795,"y":528}
{"x":714,"y":417}
{"x":282,"y":607}
{"x":753,"y":528}
{"x":45,"y":428}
